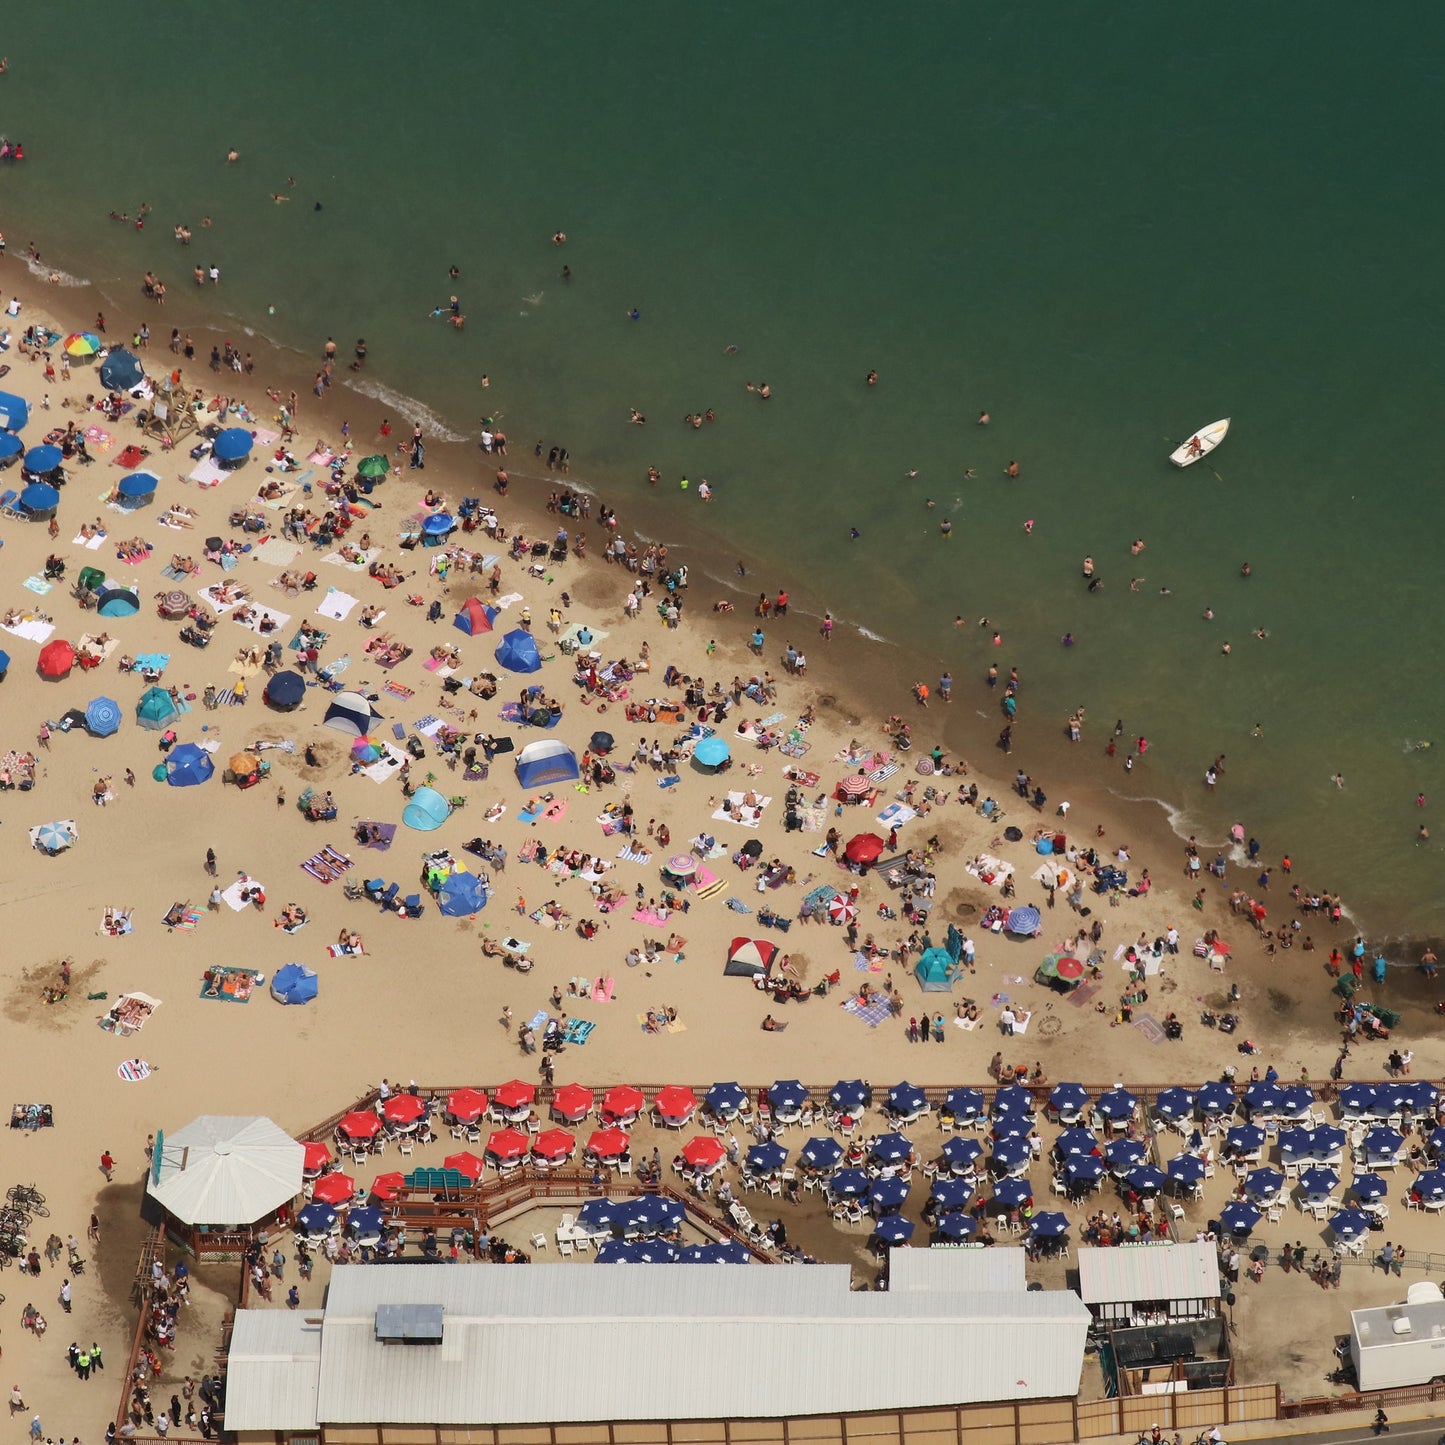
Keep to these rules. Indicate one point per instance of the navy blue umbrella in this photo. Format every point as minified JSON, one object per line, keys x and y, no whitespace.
{"x":964,"y":1103}
{"x":461,"y":896}
{"x":1049,"y":1224}
{"x":656,"y":1251}
{"x":1298,"y":1099}
{"x":1083,"y":1169}
{"x":1264,"y":1096}
{"x":849,"y":1094}
{"x":892,"y":1148}
{"x":364,"y":1220}
{"x":1185,"y":1168}
{"x":1175,"y":1103}
{"x":1430,"y":1184}
{"x":906,"y":1098}
{"x":1013,"y":1193}
{"x":1013,"y":1126}
{"x":1011,"y":1099}
{"x":617,"y":1251}
{"x":1383,"y":1144}
{"x":1319,"y":1182}
{"x":956,"y":1226}
{"x":849,"y":1184}
{"x":39,"y":499}
{"x":652,"y":1214}
{"x":232,"y":444}
{"x":1215,"y":1097}
{"x":767,"y":1157}
{"x":1075,"y":1141}
{"x":316,"y":1218}
{"x":961,"y":1152}
{"x":42,"y":459}
{"x":821,"y":1153}
{"x":1263,"y":1184}
{"x":1148,"y":1179}
{"x":285,"y":689}
{"x":120,"y":371}
{"x":894,"y":1229}
{"x":1357,"y":1099}
{"x":1245,"y":1138}
{"x":136,"y":486}
{"x":1350,"y":1223}
{"x":1367,"y":1188}
{"x":1125,"y":1154}
{"x":1421,"y":1096}
{"x":1295,"y":1143}
{"x":725,"y":1251}
{"x":726,"y":1099}
{"x":1117,"y":1104}
{"x":1239,"y":1216}
{"x":595,"y":1215}
{"x":4,"y":662}
{"x":787,"y":1094}
{"x":1067,"y":1098}
{"x":1010,"y":1153}
{"x":888,"y":1194}
{"x":952,"y":1193}
{"x":1326,"y":1141}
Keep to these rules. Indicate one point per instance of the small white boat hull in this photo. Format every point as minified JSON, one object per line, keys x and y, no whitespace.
{"x":1200,"y":444}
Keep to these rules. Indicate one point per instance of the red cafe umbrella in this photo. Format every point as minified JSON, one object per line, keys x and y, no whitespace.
{"x":515,"y":1094}
{"x":855,"y":785}
{"x":1069,"y":968}
{"x":334,"y":1188}
{"x":675,"y":1103}
{"x":316,"y":1157}
{"x":507,"y":1144}
{"x":623,"y":1101}
{"x":385,"y":1187}
{"x":608,"y":1143}
{"x":465,"y":1163}
{"x":466,"y":1105}
{"x":56,"y":658}
{"x":704,"y":1151}
{"x":572,"y":1102}
{"x":865,"y":848}
{"x":553,"y":1144}
{"x":403,"y":1109}
{"x":360,"y":1125}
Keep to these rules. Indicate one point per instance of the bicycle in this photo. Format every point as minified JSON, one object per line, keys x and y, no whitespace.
{"x":28,"y":1197}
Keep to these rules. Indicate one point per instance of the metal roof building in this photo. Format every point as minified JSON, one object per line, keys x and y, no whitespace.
{"x":1183,"y":1279}
{"x":279,"y":1354}
{"x":647,"y":1342}
{"x":999,"y":1269}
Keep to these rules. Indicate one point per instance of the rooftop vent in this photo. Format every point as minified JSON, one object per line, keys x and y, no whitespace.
{"x":409,"y":1324}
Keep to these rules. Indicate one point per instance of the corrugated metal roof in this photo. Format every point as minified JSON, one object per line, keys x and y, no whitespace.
{"x":225,"y":1169}
{"x":957,"y":1271}
{"x":1148,"y":1272}
{"x":659,"y":1342}
{"x":272,"y":1371}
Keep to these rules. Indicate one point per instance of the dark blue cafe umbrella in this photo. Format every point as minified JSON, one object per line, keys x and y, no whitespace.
{"x":1298,"y":1100}
{"x":1067,"y":1099}
{"x":1350,"y":1223}
{"x":1262,"y":1185}
{"x":1319,"y":1182}
{"x":617,"y":1251}
{"x":1175,"y":1103}
{"x":1049,"y":1224}
{"x":1326,"y":1141}
{"x":1216,"y":1098}
{"x":316,"y":1218}
{"x":894,"y":1229}
{"x":1148,"y":1179}
{"x":597,"y":1215}
{"x":1264,"y":1096}
{"x":1383,"y":1144}
{"x":1245,"y":1138}
{"x":1185,"y":1169}
{"x":1084,"y":1169}
{"x":1367,"y":1188}
{"x":849,"y":1094}
{"x":787,"y":1094}
{"x":1013,"y":1126}
{"x":961,"y":1153}
{"x":951,"y":1193}
{"x":1013,"y":1193}
{"x":956,"y":1226}
{"x":891,"y":1148}
{"x":1357,"y":1099}
{"x":907,"y":1099}
{"x":1125,"y":1154}
{"x":1117,"y":1104}
{"x":1436,"y":1141}
{"x":767,"y":1157}
{"x":1075,"y":1141}
{"x":1010,"y":1153}
{"x":1296,"y":1143}
{"x":726,"y":1099}
{"x":364,"y":1221}
{"x":232,"y":444}
{"x":849,"y":1184}
{"x":888,"y":1194}
{"x":656,"y":1251}
{"x":1421,"y":1096}
{"x":1011,"y":1099}
{"x":822,"y":1152}
{"x":1239,"y":1216}
{"x":652,"y":1214}
{"x":1430,"y":1184}
{"x":964,"y":1103}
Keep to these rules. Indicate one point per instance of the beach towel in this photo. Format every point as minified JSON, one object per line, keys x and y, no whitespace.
{"x":244,"y":667}
{"x":335,"y":667}
{"x":336,"y":604}
{"x":578,"y":1031}
{"x":98,"y":437}
{"x":212,"y":595}
{"x":398,"y":689}
{"x":1084,"y":993}
{"x":988,"y":869}
{"x":631,"y":853}
{"x":91,"y":544}
{"x":207,"y":473}
{"x":31,"y":630}
{"x":881,"y":775}
{"x":230,"y":985}
{"x":133,"y":1071}
{"x":258,"y":611}
{"x":152,"y":661}
{"x":232,"y":895}
{"x":116,"y":922}
{"x":802,"y":780}
{"x":751,"y":815}
{"x":876,"y":1011}
{"x":555,"y":810}
{"x":132,"y":456}
{"x":651,"y":916}
{"x":327,"y":865}
{"x":386,"y":830}
{"x":188,"y":920}
{"x":363,"y":559}
{"x":738,"y":906}
{"x":531,"y":812}
{"x":671,"y":782}
{"x":276,"y":552}
{"x":1147,"y":1025}
{"x":387,"y":766}
{"x":895,"y":815}
{"x":344,"y":950}
{"x":137,"y":559}
{"x":429,"y":726}
{"x":814,"y":818}
{"x":38,"y":585}
{"x":602,"y":990}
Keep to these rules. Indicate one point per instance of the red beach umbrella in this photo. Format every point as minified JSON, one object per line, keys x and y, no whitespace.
{"x":855,"y":785}
{"x":553,"y":1144}
{"x":56,"y":658}
{"x":316,"y":1157}
{"x":360,"y":1125}
{"x":515,"y":1094}
{"x":466,"y":1106}
{"x":623,"y":1101}
{"x":704,"y":1151}
{"x":465,"y":1163}
{"x":507,"y":1144}
{"x":1069,"y":968}
{"x":572,"y":1102}
{"x":385,"y":1187}
{"x":334,"y":1189}
{"x":865,"y":848}
{"x":403,"y":1109}
{"x":609,"y":1143}
{"x":675,"y":1103}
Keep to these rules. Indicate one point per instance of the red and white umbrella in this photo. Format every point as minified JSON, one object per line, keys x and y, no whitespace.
{"x":403,"y":1109}
{"x":609,"y":1143}
{"x":316,"y":1157}
{"x":572,"y":1102}
{"x":507,"y":1144}
{"x":841,"y":909}
{"x":466,"y":1106}
{"x":676,"y":1104}
{"x":385,"y":1187}
{"x":554,"y":1145}
{"x":360,"y":1124}
{"x":515,"y":1094}
{"x":465,"y":1163}
{"x":623,"y":1101}
{"x":855,"y":785}
{"x":334,"y":1188}
{"x":704,"y":1152}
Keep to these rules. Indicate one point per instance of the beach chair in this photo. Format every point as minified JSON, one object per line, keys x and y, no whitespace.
{"x":564,"y":1246}
{"x":387,"y":898}
{"x":583,"y":1244}
{"x":7,"y":503}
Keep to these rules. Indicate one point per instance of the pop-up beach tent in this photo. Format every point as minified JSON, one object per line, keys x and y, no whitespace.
{"x":352,"y":714}
{"x":517,"y":652}
{"x":294,"y":983}
{"x":14,"y":411}
{"x":155,"y":709}
{"x":749,"y":957}
{"x":548,"y":761}
{"x":426,"y":810}
{"x":475,"y":617}
{"x":935,"y":971}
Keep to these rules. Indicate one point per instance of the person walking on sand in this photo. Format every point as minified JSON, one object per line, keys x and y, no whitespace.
{"x":107,"y":1165}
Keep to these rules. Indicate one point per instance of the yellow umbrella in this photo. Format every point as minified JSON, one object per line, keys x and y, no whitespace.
{"x":243,"y":765}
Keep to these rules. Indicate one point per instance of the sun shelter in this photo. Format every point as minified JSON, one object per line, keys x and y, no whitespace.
{"x":475,"y":617}
{"x":39,"y":500}
{"x":224,"y":1173}
{"x":517,"y":652}
{"x":118,"y":602}
{"x":14,"y":411}
{"x":284,"y":691}
{"x":294,"y":983}
{"x":40,"y":461}
{"x":10,"y":445}
{"x":232,"y":446}
{"x":711,"y":752}
{"x":188,"y":765}
{"x":155,"y":709}
{"x":548,"y":761}
{"x":935,"y":971}
{"x":426,"y":810}
{"x":352,"y":714}
{"x":749,"y":958}
{"x":462,"y":895}
{"x":137,"y":488}
{"x":102,"y":717}
{"x":121,"y":370}
{"x":865,"y":848}
{"x":56,"y":659}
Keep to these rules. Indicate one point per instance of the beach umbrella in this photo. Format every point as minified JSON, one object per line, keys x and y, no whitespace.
{"x":1429,"y":1184}
{"x":505,"y":1144}
{"x":964,"y":1103}
{"x":1215,"y":1098}
{"x":365,"y":750}
{"x":821,"y":1152}
{"x":1350,"y":1223}
{"x":891,"y":1148}
{"x":315,"y":1156}
{"x":1084,"y":1169}
{"x":54,"y":837}
{"x":121,"y":370}
{"x":1010,"y":1153}
{"x":56,"y":659}
{"x":855,"y":785}
{"x":1245,"y":1138}
{"x":359,"y":1124}
{"x":373,"y":468}
{"x":767,"y":1157}
{"x":681,"y":865}
{"x":438,"y":524}
{"x":888,"y":1194}
{"x":1049,"y":1224}
{"x":403,"y":1109}
{"x":1239,"y":1216}
{"x":956,"y":1226}
{"x":514,"y":1094}
{"x":334,"y":1188}
{"x":80,"y":345}
{"x":188,"y":765}
{"x":1389,"y":1098}
{"x":725,"y":1100}
{"x":41,"y":460}
{"x":787,"y":1095}
{"x":137,"y":486}
{"x":906,"y":1098}
{"x":849,"y":1184}
{"x":1367,"y":1188}
{"x":653,"y":1214}
{"x":865,"y":848}
{"x":1383,"y":1144}
{"x":466,"y":1105}
{"x":601,"y":742}
{"x":232,"y":445}
{"x":675,"y":1104}
{"x":572,"y":1103}
{"x":1263,"y":1184}
{"x":39,"y":499}
{"x":1011,"y":1099}
{"x":1067,"y":1098}
{"x":841,"y":909}
{"x":10,"y":445}
{"x":705,"y":1152}
{"x":386,"y":1187}
{"x":1075,"y":1141}
{"x":243,"y":764}
{"x":1024,"y":921}
{"x":725,"y":1251}
{"x":1117,"y":1103}
{"x":961,"y":1153}
{"x":1421,"y":1096}
{"x":1436,"y":1141}
{"x":471,"y":1166}
{"x":1296,"y":1143}
{"x":1297,"y":1100}
{"x":4,"y":663}
{"x":1013,"y":1193}
{"x":155,"y":709}
{"x":951,"y":1193}
{"x":102,"y":716}
{"x":364,"y":1222}
{"x":1264,"y":1096}
{"x":609,"y":1143}
{"x":554,"y":1145}
{"x":894,"y":1229}
{"x":1327,"y":1141}
{"x":1175,"y":1103}
{"x":1357,"y":1099}
{"x":848,"y":1095}
{"x":293,"y":983}
{"x":1185,"y":1169}
{"x":462,"y":895}
{"x":1317,"y":1182}
{"x":624,"y":1101}
{"x":711,"y":752}
{"x":316,"y":1218}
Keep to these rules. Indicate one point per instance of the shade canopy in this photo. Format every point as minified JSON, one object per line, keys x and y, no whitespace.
{"x":102,"y":717}
{"x":137,"y":486}
{"x":548,"y":761}
{"x":466,"y":1105}
{"x":39,"y":499}
{"x":748,"y":957}
{"x":864,"y":848}
{"x":227,"y":1170}
{"x":14,"y":412}
{"x":117,"y":602}
{"x":475,"y":617}
{"x":711,"y":752}
{"x":373,"y":467}
{"x":426,"y":810}
{"x":10,"y":445}
{"x":188,"y":765}
{"x":56,"y":658}
{"x":294,"y":983}
{"x":352,"y":714}
{"x":284,"y":690}
{"x":462,"y":895}
{"x":233,"y":444}
{"x":1023,"y":920}
{"x":155,"y":709}
{"x":517,"y":652}
{"x":42,"y":460}
{"x":121,"y":370}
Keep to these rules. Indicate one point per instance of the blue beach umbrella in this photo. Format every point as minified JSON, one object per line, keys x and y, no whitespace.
{"x":316,"y":1218}
{"x":284,"y":690}
{"x":960,"y":1152}
{"x":4,"y":662}
{"x":617,"y":1251}
{"x":849,"y":1184}
{"x":1125,"y":1154}
{"x":1263,"y":1184}
{"x":39,"y":500}
{"x":1075,"y":1141}
{"x":188,"y":765}
{"x":767,"y":1157}
{"x":906,"y":1098}
{"x":137,"y":486}
{"x":438,"y":524}
{"x":1148,"y":1179}
{"x":1350,"y":1223}
{"x":1245,"y":1138}
{"x":726,"y":1099}
{"x":232,"y":444}
{"x":462,"y":895}
{"x":364,"y":1221}
{"x":292,"y":983}
{"x":1068,"y":1098}
{"x":121,"y":370}
{"x":1216,"y":1098}
{"x":891,"y":1148}
{"x":1185,"y":1168}
{"x":1013,"y":1193}
{"x":1296,"y":1143}
{"x":1011,"y":1099}
{"x":849,"y":1094}
{"x":964,"y":1103}
{"x":711,"y":752}
{"x":53,"y":837}
{"x":102,"y":717}
{"x":956,"y":1226}
{"x":1263,"y":1096}
{"x":894,"y":1229}
{"x":1175,"y":1103}
{"x":787,"y":1094}
{"x":1117,"y":1104}
{"x":1326,"y":1141}
{"x":1357,"y":1099}
{"x":42,"y":460}
{"x":1049,"y":1224}
{"x":1024,"y":920}
{"x":1010,"y":1153}
{"x":1298,"y":1100}
{"x":1083,"y":1169}
{"x":1367,"y":1188}
{"x":951,"y":1193}
{"x":1239,"y":1216}
{"x":823,"y":1152}
{"x":1318,"y":1182}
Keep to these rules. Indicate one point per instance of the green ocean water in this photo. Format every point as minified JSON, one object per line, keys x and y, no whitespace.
{"x":1107,"y":228}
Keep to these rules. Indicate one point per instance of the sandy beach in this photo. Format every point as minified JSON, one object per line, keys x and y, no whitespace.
{"x":424,"y":1001}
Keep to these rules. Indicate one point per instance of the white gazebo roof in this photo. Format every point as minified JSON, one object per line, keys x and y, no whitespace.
{"x":224,"y":1169}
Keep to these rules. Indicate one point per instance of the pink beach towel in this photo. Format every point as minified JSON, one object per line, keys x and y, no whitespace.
{"x":602,"y":990}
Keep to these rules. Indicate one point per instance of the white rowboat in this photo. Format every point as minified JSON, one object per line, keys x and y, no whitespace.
{"x":1200,"y":444}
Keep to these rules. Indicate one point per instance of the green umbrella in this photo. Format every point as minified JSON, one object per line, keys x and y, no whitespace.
{"x":374,"y":467}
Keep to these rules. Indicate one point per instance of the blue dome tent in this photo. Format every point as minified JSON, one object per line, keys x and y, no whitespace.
{"x":155,"y":709}
{"x":517,"y":652}
{"x":14,"y":411}
{"x":935,"y":971}
{"x":188,"y":765}
{"x":549,"y":761}
{"x":426,"y":810}
{"x":118,"y":602}
{"x":352,"y":714}
{"x":295,"y":984}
